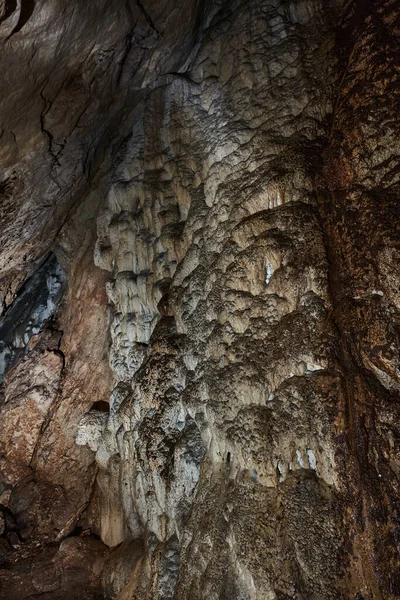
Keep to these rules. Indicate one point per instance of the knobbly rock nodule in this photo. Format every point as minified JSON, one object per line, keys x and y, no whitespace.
{"x":199,"y":282}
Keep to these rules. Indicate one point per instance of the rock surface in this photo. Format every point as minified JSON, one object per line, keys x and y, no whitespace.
{"x":210,"y":408}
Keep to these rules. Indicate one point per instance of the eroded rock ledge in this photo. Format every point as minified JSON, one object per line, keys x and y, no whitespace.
{"x":201,"y":392}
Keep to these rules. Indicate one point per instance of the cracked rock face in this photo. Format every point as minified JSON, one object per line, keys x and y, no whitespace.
{"x":200,"y":300}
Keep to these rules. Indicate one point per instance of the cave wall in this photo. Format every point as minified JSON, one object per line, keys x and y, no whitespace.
{"x":212,"y":410}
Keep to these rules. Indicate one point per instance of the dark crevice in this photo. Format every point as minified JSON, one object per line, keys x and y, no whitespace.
{"x":27,"y":8}
{"x":228,"y":461}
{"x":76,"y":532}
{"x":101,"y":405}
{"x":11,"y":6}
{"x":147,"y":16}
{"x":44,"y":130}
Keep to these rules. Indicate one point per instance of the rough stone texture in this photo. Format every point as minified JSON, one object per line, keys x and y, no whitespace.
{"x":69,"y":71}
{"x":35,"y":304}
{"x":217,"y":396}
{"x":70,"y":572}
{"x":361,"y":218}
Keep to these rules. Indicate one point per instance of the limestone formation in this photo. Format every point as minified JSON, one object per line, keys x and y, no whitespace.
{"x":200,"y":300}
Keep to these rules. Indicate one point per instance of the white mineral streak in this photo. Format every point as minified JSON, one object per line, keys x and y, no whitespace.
{"x":218,"y":291}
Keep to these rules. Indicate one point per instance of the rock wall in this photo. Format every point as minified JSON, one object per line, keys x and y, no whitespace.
{"x":216,"y":397}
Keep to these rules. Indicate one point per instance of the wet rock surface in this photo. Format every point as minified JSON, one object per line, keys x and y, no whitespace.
{"x":34,"y":305}
{"x":210,"y":411}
